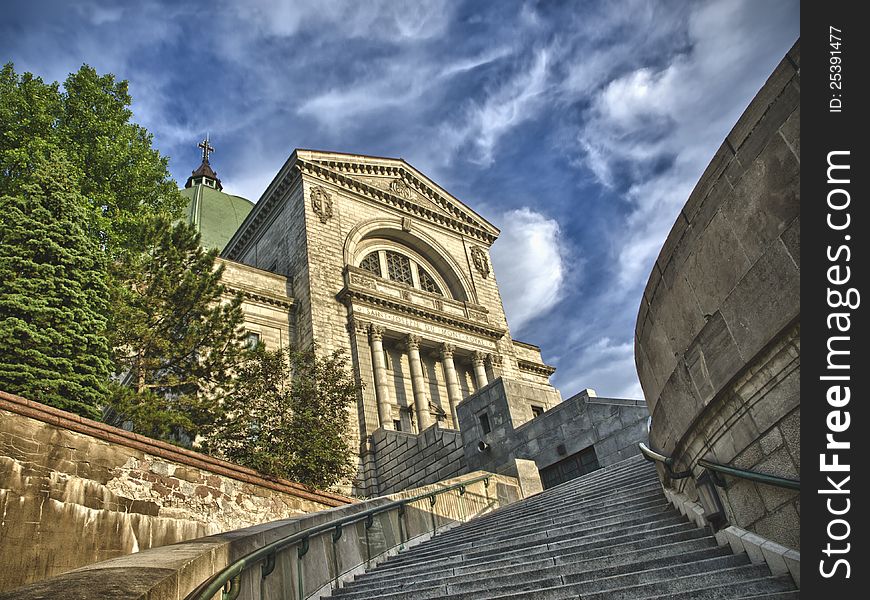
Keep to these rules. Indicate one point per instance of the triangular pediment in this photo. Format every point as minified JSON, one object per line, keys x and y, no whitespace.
{"x":402,"y":184}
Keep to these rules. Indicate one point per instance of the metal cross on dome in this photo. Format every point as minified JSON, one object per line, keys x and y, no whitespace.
{"x":206,"y":149}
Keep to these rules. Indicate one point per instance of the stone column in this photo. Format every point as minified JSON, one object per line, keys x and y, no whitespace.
{"x":382,"y":392}
{"x":418,"y":384}
{"x":454,"y":395}
{"x":477,"y":360}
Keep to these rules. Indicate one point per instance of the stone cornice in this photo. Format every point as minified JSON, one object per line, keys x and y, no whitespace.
{"x":251,"y":294}
{"x":457,"y":220}
{"x":536,"y":368}
{"x":350,"y":295}
{"x":263,"y":209}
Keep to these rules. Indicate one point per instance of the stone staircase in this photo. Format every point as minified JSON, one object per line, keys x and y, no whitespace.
{"x":608,"y":535}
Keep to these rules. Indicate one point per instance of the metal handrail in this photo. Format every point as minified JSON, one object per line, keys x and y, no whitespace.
{"x":652,"y":455}
{"x":232,"y":573}
{"x":793,"y":484}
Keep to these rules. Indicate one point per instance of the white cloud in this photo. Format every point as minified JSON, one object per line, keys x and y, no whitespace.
{"x":658,"y":127}
{"x":395,"y":20}
{"x":530,"y":260}
{"x":603,"y":365}
{"x":517,"y":100}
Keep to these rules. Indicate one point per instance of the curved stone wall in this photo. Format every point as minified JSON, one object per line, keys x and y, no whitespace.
{"x":717,"y":340}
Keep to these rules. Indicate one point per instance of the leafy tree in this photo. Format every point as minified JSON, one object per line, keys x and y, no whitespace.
{"x":174,"y":335}
{"x":287,"y":416}
{"x":123,"y":180}
{"x":53,"y":293}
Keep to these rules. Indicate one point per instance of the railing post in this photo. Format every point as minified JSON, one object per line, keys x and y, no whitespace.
{"x":432,"y":500}
{"x":266,"y":569}
{"x":370,"y":520}
{"x":462,"y":503}
{"x":336,"y":535}
{"x":401,"y":528}
{"x":301,"y":551}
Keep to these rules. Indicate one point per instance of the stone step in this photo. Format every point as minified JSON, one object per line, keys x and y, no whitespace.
{"x":555,"y":503}
{"x":764,"y":588}
{"x":484,"y":581}
{"x":575,"y":533}
{"x":609,"y":535}
{"x":560,"y":512}
{"x":621,"y":587}
{"x":578,"y":521}
{"x":563,"y":555}
{"x":554,"y":539}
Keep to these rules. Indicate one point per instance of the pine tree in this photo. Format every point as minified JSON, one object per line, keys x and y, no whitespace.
{"x":175,"y":336}
{"x":287,"y":416}
{"x":52,"y":289}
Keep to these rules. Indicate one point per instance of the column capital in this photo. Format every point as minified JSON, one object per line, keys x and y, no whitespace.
{"x":376,"y":332}
{"x":413,"y":341}
{"x":477,"y":358}
{"x":495,"y":360}
{"x":446,"y":350}
{"x":357,"y":324}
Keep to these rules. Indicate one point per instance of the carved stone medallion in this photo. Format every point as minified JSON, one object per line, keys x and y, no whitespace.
{"x":321,"y":203}
{"x":481,"y":262}
{"x":400,"y":188}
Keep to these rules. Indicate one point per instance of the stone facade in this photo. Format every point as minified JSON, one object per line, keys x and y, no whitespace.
{"x":718,"y":332}
{"x":75,"y":491}
{"x":266,"y":302}
{"x":406,"y":460}
{"x":385,"y":265}
{"x":612,"y":427}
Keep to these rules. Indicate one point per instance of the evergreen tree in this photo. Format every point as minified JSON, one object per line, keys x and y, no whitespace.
{"x":175,"y":337}
{"x":287,"y":416}
{"x":52,"y":289}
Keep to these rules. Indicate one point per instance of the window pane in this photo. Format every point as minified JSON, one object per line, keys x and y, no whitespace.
{"x":427,"y":283}
{"x":399,"y":268}
{"x":372,"y":264}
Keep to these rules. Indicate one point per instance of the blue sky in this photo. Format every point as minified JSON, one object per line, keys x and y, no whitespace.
{"x":578,"y":128}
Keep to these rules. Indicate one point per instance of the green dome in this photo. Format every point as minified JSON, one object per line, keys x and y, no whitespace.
{"x":215,"y":215}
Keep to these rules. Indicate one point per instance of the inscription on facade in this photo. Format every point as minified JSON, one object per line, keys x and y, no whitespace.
{"x":414,"y":324}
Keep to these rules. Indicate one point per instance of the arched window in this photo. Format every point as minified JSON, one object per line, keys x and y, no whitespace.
{"x":426,"y":281}
{"x":401,"y":268}
{"x":372,"y":264}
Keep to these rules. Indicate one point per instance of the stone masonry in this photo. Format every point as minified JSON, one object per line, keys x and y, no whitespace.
{"x":75,"y":491}
{"x":718,"y":331}
{"x":405,"y":460}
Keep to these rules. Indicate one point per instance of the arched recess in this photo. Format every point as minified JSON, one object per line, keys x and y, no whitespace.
{"x":370,"y":233}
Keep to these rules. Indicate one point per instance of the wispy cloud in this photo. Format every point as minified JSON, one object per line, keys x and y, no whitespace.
{"x":530,"y":260}
{"x":578,"y":128}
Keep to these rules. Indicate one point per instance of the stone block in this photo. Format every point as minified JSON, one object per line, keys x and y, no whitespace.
{"x":712,"y":177}
{"x":766,"y":200}
{"x":767,"y":129}
{"x":679,"y":313}
{"x":791,"y":132}
{"x":774,"y":555}
{"x":734,"y":538}
{"x":716,"y":264}
{"x":764,"y":302}
{"x":766,"y":96}
{"x":793,"y":564}
{"x":713,"y":358}
{"x":752,"y":545}
{"x":791,"y":239}
{"x":745,"y":502}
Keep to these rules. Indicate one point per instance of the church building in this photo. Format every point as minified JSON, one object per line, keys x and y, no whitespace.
{"x":368,"y":255}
